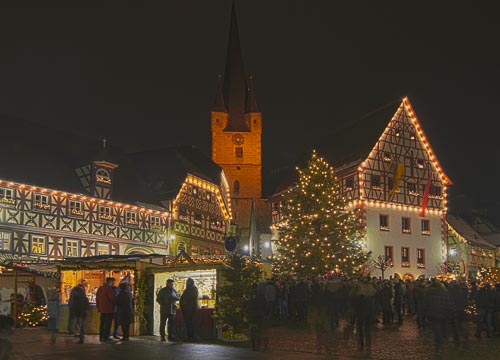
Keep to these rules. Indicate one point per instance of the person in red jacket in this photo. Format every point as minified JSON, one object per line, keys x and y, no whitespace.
{"x":105,"y":302}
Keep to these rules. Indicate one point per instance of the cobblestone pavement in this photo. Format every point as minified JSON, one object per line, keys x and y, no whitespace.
{"x":288,"y":342}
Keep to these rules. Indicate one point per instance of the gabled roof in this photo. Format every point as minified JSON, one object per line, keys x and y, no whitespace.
{"x":467,"y":232}
{"x":157,"y":175}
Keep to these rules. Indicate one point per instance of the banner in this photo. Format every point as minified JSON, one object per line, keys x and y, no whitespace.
{"x":397,"y":176}
{"x":425,"y":199}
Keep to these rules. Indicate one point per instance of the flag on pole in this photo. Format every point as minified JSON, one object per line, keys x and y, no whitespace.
{"x":397,"y":177}
{"x":425,"y":199}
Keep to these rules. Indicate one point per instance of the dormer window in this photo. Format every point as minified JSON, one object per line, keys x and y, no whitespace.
{"x":41,"y":202}
{"x":412,"y":188}
{"x":397,"y":132}
{"x":75,"y":208}
{"x":412,"y":135}
{"x":387,"y":156}
{"x":131,"y":218}
{"x":420,"y":163}
{"x":102,"y":176}
{"x":435,"y":192}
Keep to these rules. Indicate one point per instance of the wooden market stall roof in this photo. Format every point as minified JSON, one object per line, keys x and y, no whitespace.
{"x":32,"y":265}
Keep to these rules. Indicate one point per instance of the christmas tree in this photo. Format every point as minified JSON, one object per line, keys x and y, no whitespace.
{"x":320,"y":232}
{"x":239,"y":279}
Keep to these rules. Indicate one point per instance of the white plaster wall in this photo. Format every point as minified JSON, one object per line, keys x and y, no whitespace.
{"x":377,"y":240}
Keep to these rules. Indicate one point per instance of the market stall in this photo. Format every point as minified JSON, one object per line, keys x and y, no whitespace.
{"x":95,"y":269}
{"x":205,"y":273}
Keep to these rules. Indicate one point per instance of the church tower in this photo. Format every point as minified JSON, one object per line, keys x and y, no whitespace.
{"x":237,"y":127}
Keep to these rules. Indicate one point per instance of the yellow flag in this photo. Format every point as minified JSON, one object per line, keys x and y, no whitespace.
{"x":399,"y":173}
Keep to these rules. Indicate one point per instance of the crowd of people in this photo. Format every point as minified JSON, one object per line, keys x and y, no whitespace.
{"x":362,"y":302}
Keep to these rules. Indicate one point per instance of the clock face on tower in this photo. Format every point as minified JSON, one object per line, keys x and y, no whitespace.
{"x":238,"y":139}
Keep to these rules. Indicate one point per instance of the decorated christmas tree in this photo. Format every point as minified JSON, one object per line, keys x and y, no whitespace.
{"x":238,"y":280}
{"x":320,"y":232}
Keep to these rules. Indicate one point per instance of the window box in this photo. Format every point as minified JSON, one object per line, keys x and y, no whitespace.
{"x":7,"y":201}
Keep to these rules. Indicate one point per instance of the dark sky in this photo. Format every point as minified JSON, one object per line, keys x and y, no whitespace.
{"x":145,"y":76}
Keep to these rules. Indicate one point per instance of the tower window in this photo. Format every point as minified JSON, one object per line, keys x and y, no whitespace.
{"x":236,"y":187}
{"x":102,"y":176}
{"x":238,"y":151}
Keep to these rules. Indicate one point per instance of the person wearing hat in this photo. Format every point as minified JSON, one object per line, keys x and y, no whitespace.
{"x":167,"y":298}
{"x":78,"y":305}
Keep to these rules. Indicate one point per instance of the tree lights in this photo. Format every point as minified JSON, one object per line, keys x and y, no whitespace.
{"x":320,"y":232}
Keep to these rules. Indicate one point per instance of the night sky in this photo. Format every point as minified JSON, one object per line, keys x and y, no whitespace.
{"x":145,"y":76}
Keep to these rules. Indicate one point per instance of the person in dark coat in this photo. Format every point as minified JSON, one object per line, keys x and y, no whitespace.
{"x":439,"y":310}
{"x":78,"y":306}
{"x":386,"y":295}
{"x":364,"y":303}
{"x":189,"y":305}
{"x":125,"y":309}
{"x":167,"y":298}
{"x":485,"y":304}
{"x":458,"y":295}
{"x":419,"y":295}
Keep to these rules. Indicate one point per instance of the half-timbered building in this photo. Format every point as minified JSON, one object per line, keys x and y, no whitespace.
{"x":398,"y":182}
{"x":53,"y":207}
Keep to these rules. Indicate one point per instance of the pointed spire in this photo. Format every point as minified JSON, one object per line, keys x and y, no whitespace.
{"x":251,"y":101}
{"x":234,"y":89}
{"x":219,"y":104}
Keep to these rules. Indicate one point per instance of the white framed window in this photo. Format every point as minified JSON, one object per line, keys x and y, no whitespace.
{"x":421,"y":258}
{"x":41,"y":202}
{"x":405,"y":256}
{"x":155,"y":222}
{"x":105,"y":213}
{"x":71,"y":248}
{"x":384,"y":222}
{"x":6,"y":193}
{"x":38,"y":244}
{"x":102,"y":249}
{"x":131,"y":217}
{"x":75,"y":208}
{"x":5,"y":241}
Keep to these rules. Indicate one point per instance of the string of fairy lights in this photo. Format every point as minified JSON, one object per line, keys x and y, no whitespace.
{"x":320,"y":232}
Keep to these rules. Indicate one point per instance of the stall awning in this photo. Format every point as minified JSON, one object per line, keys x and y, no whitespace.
{"x":34,"y":265}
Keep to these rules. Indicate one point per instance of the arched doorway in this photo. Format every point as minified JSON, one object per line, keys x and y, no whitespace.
{"x":408,"y":276}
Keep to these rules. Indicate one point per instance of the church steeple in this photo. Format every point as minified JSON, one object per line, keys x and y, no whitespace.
{"x":219,"y":104}
{"x":234,"y":88}
{"x":251,"y":101}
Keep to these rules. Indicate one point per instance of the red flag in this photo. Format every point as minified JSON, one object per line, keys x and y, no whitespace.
{"x":426,"y":194}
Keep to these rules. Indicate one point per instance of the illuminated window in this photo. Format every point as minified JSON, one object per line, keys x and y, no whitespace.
{"x":406,"y":225}
{"x":389,"y":254}
{"x":38,"y":244}
{"x":217,"y":252}
{"x":195,"y":190}
{"x":421,"y":258}
{"x":195,"y":250}
{"x":435,"y":191}
{"x":426,"y":227}
{"x":102,"y":249}
{"x":183,"y":214}
{"x":5,"y":243}
{"x":238,"y":151}
{"x":197,"y":219}
{"x":405,"y":257}
{"x":420,"y":163}
{"x":72,"y":248}
{"x":412,"y":135}
{"x":387,"y":156}
{"x":236,"y":187}
{"x":6,"y":193}
{"x":131,"y":217}
{"x":384,"y":222}
{"x":206,"y":251}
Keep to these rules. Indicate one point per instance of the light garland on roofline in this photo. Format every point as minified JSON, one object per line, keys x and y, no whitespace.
{"x":80,"y":197}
